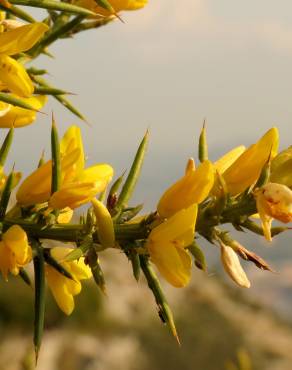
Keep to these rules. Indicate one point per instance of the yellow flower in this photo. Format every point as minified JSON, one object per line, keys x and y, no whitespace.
{"x":63,"y":288}
{"x":273,"y":201}
{"x":18,"y":117}
{"x":281,"y":168}
{"x":228,"y":159}
{"x":15,"y":252}
{"x":83,"y":188}
{"x":78,"y":185}
{"x":246,"y":169}
{"x":192,"y":188}
{"x":104,"y":223}
{"x":118,"y":5}
{"x":65,"y":216}
{"x":12,"y":74}
{"x":166,"y":245}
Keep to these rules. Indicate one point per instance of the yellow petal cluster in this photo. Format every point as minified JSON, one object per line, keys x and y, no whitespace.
{"x":179,"y":206}
{"x":12,"y":116}
{"x":63,"y":288}
{"x":15,"y":252}
{"x":192,"y":188}
{"x":241,"y":169}
{"x":166,"y":245}
{"x":78,"y":185}
{"x":118,"y":5}
{"x":273,"y":201}
{"x":12,"y":74}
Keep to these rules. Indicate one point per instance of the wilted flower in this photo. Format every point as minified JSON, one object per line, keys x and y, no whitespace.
{"x":63,"y":288}
{"x":273,"y":201}
{"x":233,"y":267}
{"x":15,"y":252}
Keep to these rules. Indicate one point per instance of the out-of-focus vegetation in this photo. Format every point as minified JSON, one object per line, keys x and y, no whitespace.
{"x":122,"y":331}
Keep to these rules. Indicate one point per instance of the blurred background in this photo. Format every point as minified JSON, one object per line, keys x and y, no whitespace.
{"x":167,"y":68}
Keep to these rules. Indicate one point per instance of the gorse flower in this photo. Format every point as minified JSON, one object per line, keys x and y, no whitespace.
{"x":192,"y":188}
{"x":12,"y":74}
{"x":78,"y":185}
{"x":244,"y":171}
{"x":63,"y":288}
{"x":117,"y":5}
{"x":273,"y":201}
{"x":12,"y":116}
{"x":281,"y":168}
{"x":179,"y":204}
{"x":166,"y":245}
{"x":15,"y":252}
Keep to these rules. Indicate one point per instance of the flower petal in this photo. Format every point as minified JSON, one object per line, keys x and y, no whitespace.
{"x":180,"y":227}
{"x":70,"y":141}
{"x":21,"y":38}
{"x":16,"y":240}
{"x":15,"y":77}
{"x":58,"y":285}
{"x":228,"y":159}
{"x":173,"y":262}
{"x":193,"y":187}
{"x":19,"y":117}
{"x":245,"y":171}
{"x":73,"y":195}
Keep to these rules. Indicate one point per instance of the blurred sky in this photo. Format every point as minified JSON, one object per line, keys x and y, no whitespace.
{"x":167,"y":68}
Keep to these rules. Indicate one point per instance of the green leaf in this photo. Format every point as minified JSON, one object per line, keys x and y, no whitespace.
{"x":133,"y":256}
{"x":19,"y":13}
{"x":5,"y":196}
{"x":56,"y":158}
{"x":50,"y":91}
{"x":129,"y":213}
{"x":80,"y":251}
{"x":40,"y":296}
{"x":199,"y":257}
{"x":96,"y":270}
{"x":58,"y":31}
{"x":54,"y":5}
{"x":25,"y":277}
{"x":203,"y":146}
{"x":7,"y":98}
{"x":105,"y":5}
{"x":65,"y":102}
{"x":56,"y":265}
{"x":133,"y":176}
{"x":163,"y":307}
{"x":6,"y":146}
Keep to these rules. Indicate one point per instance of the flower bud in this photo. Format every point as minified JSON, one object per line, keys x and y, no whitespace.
{"x":104,"y":222}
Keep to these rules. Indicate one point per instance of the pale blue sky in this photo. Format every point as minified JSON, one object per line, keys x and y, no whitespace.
{"x":169,"y":66}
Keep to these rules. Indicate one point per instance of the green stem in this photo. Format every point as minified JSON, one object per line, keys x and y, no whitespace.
{"x":75,"y":232}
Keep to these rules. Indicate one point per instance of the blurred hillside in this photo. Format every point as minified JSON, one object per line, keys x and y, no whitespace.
{"x":123,"y":332}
